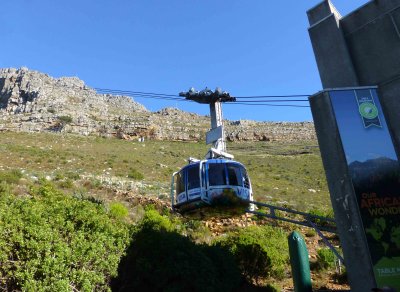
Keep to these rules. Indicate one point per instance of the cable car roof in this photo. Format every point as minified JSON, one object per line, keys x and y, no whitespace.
{"x":214,"y":160}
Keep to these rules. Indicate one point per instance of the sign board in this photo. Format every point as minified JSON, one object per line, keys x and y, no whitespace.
{"x":363,"y":173}
{"x":214,"y":134}
{"x":374,"y":170}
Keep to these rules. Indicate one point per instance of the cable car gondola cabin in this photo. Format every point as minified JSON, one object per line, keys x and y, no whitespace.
{"x":211,"y":182}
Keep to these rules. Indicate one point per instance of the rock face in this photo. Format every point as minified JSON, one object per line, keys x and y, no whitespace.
{"x":31,"y":101}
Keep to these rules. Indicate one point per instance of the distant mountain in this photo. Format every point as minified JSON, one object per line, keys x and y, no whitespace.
{"x":31,"y":101}
{"x":380,"y":173}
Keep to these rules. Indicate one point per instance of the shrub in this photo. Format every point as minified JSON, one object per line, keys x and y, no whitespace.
{"x":134,"y":174}
{"x":66,"y":184}
{"x":11,"y":176}
{"x":92,"y":183}
{"x":260,"y":251}
{"x":118,"y":210}
{"x":325,"y":258}
{"x":327,"y":214}
{"x":271,"y":288}
{"x":72,"y":175}
{"x":160,"y":259}
{"x":65,"y":119}
{"x":53,"y":242}
{"x":197,"y":231}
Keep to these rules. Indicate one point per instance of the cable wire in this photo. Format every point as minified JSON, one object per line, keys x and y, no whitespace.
{"x":266,"y":104}
{"x":275,"y":96}
{"x":172,"y":97}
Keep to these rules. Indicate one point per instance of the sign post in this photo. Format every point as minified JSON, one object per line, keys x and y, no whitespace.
{"x":363,"y":173}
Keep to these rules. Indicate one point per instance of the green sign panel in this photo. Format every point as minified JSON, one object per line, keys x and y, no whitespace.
{"x":375,"y":173}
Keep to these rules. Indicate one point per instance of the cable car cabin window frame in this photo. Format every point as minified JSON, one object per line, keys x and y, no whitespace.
{"x":237,"y":168}
{"x":244,"y":180}
{"x":210,"y":175}
{"x":245,"y":177}
{"x":193,"y":171}
{"x":193,"y":192}
{"x":181,"y":181}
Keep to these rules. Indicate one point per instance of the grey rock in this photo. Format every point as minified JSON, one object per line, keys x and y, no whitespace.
{"x":31,"y":101}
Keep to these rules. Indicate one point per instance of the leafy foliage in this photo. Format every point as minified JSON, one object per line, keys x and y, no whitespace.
{"x":118,"y":210}
{"x":135,"y":174}
{"x":160,"y":259}
{"x":259,"y":251}
{"x":52,"y":242}
{"x":11,"y":176}
{"x":65,"y":119}
{"x":326,"y":258}
{"x":327,"y":214}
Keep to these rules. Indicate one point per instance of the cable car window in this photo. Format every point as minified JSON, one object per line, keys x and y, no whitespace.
{"x":193,"y":177}
{"x":180,"y":183}
{"x":216,"y":174}
{"x":234,"y":175}
{"x":246,"y":180}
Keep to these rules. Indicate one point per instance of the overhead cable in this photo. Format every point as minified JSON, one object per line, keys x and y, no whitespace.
{"x":171,"y":97}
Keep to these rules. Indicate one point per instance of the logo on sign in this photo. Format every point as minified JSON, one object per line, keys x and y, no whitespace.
{"x":368,"y":110}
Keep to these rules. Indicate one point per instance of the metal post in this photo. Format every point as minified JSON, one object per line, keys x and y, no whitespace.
{"x":299,"y":263}
{"x":216,"y":121}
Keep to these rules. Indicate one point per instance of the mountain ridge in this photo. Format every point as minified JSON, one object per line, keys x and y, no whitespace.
{"x":31,"y":101}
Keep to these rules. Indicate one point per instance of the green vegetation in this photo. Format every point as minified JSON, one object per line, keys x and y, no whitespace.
{"x":11,"y":177}
{"x":260,"y":251}
{"x":53,"y":242}
{"x":326,"y":258}
{"x":160,"y":259}
{"x":63,"y":227}
{"x":65,"y":119}
{"x":118,"y":210}
{"x":288,"y":174}
{"x":134,"y":174}
{"x":50,"y":241}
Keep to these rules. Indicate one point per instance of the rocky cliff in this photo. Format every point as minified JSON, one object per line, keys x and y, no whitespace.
{"x":31,"y":101}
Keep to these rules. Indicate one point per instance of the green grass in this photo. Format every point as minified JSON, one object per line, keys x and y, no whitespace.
{"x":281,"y":173}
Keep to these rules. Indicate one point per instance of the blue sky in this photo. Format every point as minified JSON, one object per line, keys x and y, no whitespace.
{"x":256,"y":47}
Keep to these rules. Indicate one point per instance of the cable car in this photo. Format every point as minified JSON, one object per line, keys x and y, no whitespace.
{"x":213,"y":182}
{"x":218,"y":180}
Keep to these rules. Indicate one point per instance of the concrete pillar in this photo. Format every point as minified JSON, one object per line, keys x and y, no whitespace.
{"x":330,"y":49}
{"x":343,"y":198}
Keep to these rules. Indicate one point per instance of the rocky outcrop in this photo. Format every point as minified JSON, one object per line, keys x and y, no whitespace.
{"x":31,"y":101}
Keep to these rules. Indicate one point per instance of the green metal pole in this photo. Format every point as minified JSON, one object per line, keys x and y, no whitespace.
{"x":300,"y":264}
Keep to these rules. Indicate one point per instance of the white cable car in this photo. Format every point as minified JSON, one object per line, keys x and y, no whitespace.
{"x":218,"y":180}
{"x":214,"y":182}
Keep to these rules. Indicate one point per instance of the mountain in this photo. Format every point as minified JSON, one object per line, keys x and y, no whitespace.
{"x":31,"y":101}
{"x":380,"y":174}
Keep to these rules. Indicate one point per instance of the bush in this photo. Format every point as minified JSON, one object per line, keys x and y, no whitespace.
{"x":325,"y":258}
{"x":118,"y":210}
{"x":160,"y":259}
{"x":65,"y":119}
{"x":50,"y":241}
{"x":66,"y":184}
{"x":11,"y":176}
{"x":271,"y":288}
{"x":260,"y":252}
{"x":134,"y":174}
{"x":321,"y":222}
